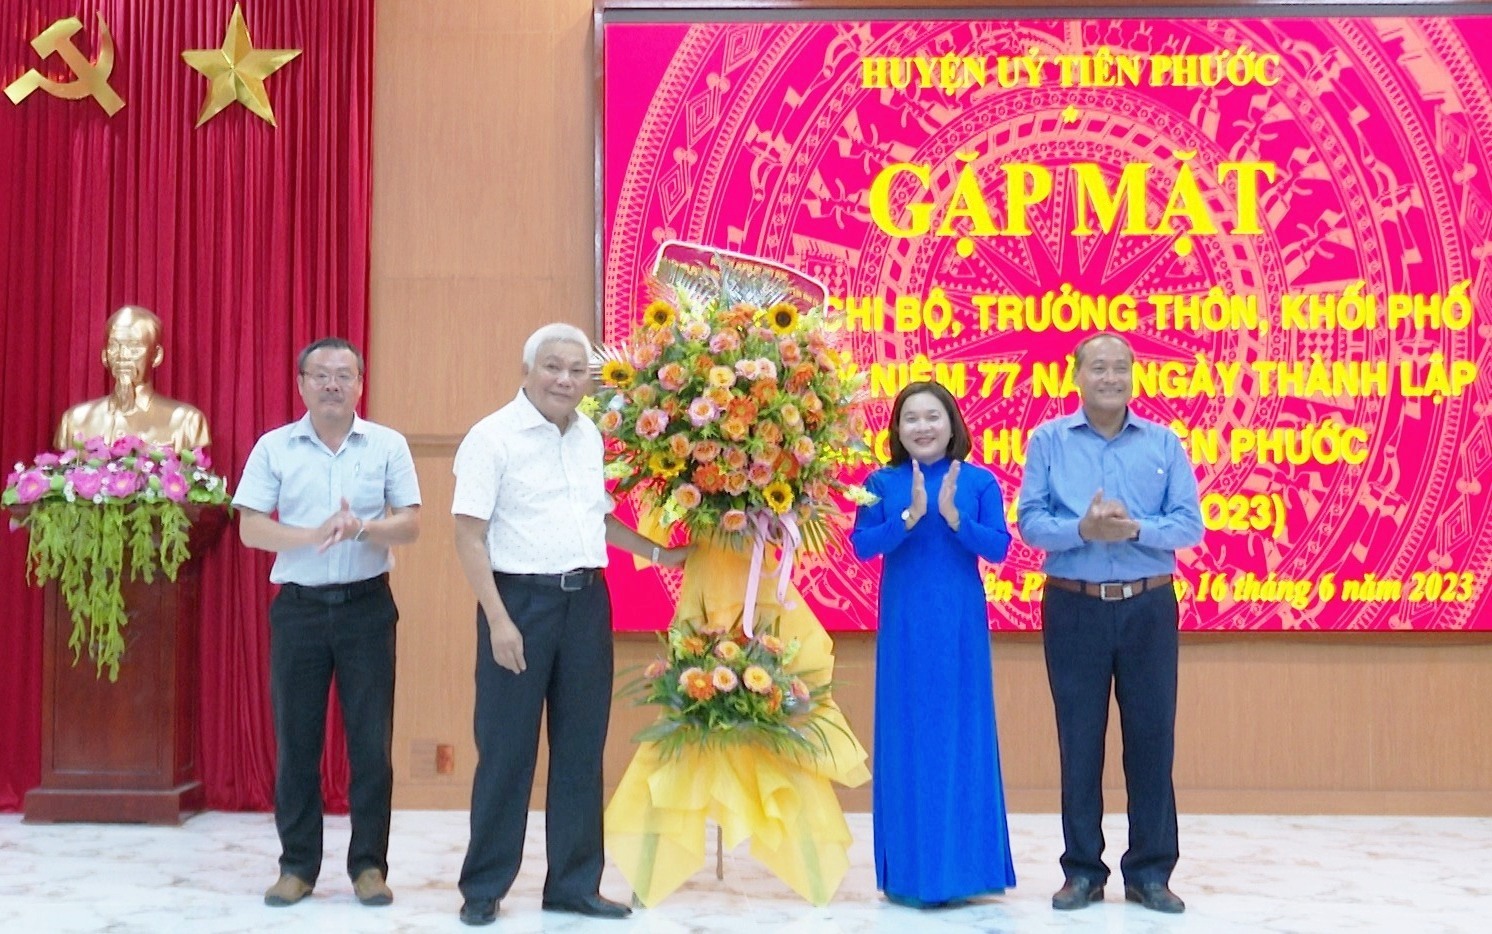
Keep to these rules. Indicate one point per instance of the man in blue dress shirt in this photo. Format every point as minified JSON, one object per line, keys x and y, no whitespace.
{"x":1110,"y":497}
{"x":329,"y":494}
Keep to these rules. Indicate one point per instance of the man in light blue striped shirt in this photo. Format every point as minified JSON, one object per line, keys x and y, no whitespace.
{"x":1110,"y":497}
{"x":329,"y":494}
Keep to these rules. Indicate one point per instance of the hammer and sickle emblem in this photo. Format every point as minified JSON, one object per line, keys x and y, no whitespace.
{"x":92,"y":79}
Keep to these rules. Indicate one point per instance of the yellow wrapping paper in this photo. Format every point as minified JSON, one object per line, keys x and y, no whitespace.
{"x":655,"y":824}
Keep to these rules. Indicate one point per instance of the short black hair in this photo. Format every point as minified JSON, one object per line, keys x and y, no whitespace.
{"x":959,"y":442}
{"x":1077,"y":352}
{"x":329,"y":343}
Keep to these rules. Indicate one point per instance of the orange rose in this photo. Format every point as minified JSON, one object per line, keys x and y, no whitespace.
{"x":672,"y":377}
{"x":687,"y":496}
{"x":706,"y":451}
{"x":734,"y":520}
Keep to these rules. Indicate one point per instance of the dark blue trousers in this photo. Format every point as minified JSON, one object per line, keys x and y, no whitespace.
{"x":310,"y":643}
{"x":567,"y":647}
{"x":1129,"y":646}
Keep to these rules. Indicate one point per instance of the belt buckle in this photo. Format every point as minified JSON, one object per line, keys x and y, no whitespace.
{"x":1119,"y":591}
{"x":578,"y":575}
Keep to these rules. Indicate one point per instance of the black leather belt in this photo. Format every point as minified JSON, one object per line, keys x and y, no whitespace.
{"x":333,"y":594}
{"x":570,"y":581}
{"x":1110,"y":590}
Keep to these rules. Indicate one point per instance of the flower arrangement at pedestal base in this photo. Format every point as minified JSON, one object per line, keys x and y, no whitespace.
{"x":98,"y":511}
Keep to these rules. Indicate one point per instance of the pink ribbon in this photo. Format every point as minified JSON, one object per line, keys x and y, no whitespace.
{"x":788,"y":536}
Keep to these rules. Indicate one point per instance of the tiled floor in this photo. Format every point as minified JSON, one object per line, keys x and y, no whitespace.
{"x":1238,"y":873}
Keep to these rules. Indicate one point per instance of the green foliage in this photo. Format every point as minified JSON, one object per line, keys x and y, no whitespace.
{"x":83,"y":547}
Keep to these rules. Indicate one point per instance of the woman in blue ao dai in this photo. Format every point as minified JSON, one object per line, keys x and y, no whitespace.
{"x":941,"y":834}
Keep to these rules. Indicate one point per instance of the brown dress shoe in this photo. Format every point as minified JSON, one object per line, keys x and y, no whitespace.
{"x":1156,"y":896}
{"x":287,"y":890}
{"x":1077,"y":892}
{"x":370,"y":888}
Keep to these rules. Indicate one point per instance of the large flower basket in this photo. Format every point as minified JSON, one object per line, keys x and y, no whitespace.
{"x":728,"y":414}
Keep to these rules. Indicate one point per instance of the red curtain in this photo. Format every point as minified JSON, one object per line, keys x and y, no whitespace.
{"x":248,"y":240}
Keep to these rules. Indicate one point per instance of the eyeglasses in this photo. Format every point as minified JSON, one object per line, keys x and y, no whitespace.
{"x":323,"y":378}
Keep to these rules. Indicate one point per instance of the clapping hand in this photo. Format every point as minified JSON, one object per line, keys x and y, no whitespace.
{"x":1107,"y":521}
{"x":946,"y":508}
{"x":918,"y":508}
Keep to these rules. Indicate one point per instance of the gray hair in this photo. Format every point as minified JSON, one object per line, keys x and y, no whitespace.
{"x":553,"y":333}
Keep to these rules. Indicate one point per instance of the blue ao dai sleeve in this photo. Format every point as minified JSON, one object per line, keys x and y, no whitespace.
{"x":878,"y":528}
{"x":984,"y":532}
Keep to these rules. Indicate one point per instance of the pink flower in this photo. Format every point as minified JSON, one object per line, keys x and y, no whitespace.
{"x":121,"y":485}
{"x":803,"y":450}
{"x":724,"y":341}
{"x":86,"y":483}
{"x":32,"y":486}
{"x":47,"y":460}
{"x":652,"y":423}
{"x":97,"y":448}
{"x":759,"y":473}
{"x":174,"y":485}
{"x":765,"y":369}
{"x":734,"y":520}
{"x":203,"y":461}
{"x":702,"y":411}
{"x":126,"y":445}
{"x":672,"y":377}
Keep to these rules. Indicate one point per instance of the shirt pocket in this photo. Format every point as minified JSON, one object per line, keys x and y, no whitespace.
{"x":1148,"y":484}
{"x":367,"y":494}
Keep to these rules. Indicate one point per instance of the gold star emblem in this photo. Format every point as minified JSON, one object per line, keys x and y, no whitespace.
{"x":237,"y":71}
{"x":1070,"y":114}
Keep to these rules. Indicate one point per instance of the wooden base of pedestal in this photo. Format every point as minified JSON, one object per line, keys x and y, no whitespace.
{"x":108,"y":805}
{"x":127,"y":751}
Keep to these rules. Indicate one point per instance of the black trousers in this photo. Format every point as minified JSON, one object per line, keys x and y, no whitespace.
{"x":311,"y":642}
{"x":567,"y":647}
{"x":1129,"y":645}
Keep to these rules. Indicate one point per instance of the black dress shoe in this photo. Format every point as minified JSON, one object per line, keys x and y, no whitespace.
{"x":1155,"y":896}
{"x":1077,"y":892}
{"x":592,"y":906}
{"x":478,"y":911}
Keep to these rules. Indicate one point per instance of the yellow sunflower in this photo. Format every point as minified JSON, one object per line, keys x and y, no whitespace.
{"x":779,"y":497}
{"x":782,"y":318}
{"x":659,"y":314}
{"x":666,"y":465}
{"x":618,"y":373}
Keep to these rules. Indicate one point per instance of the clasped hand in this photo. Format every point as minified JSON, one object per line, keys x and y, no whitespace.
{"x":1107,"y":521}
{"x":342,"y":526}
